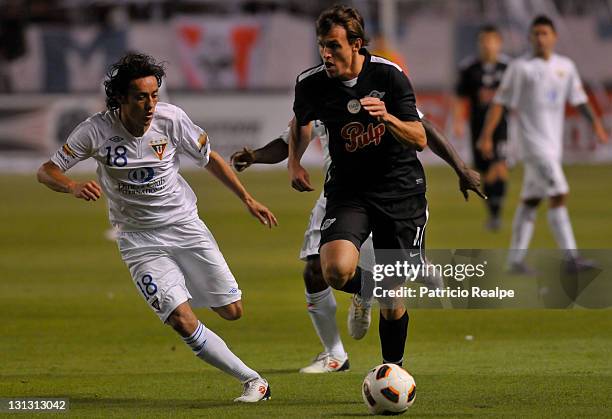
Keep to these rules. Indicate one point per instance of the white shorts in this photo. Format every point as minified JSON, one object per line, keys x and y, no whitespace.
{"x":543,"y":178}
{"x":174,"y":264}
{"x":312,"y":238}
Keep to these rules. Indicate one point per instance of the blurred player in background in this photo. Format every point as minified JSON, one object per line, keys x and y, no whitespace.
{"x":478,"y":80}
{"x":537,"y":86}
{"x":172,"y":256}
{"x":320,"y":299}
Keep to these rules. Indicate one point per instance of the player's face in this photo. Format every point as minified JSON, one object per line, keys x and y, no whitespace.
{"x":138,"y":106}
{"x":489,"y":45}
{"x":543,"y":39}
{"x":337,"y":53}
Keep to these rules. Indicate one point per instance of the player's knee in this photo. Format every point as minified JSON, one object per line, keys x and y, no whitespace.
{"x":336,"y":276}
{"x":183,"y":321}
{"x":313,"y":275}
{"x":533,"y":202}
{"x":557,"y":201}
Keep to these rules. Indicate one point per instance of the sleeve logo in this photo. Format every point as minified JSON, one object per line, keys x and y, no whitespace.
{"x":202,"y":141}
{"x":68,"y":151}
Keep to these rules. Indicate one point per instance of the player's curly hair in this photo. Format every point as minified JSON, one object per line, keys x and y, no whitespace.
{"x":347,"y":17}
{"x":130,"y":67}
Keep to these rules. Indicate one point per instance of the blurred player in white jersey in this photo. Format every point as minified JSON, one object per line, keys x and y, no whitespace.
{"x":173,"y":258}
{"x":537,"y":86}
{"x":320,"y":299}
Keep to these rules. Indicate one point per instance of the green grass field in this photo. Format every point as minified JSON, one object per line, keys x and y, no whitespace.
{"x":73,"y":325}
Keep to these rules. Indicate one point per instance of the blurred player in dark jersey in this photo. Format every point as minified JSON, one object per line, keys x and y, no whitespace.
{"x":478,"y":80}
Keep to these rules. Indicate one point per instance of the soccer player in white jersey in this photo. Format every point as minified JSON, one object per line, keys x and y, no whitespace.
{"x":537,"y":86}
{"x":173,"y":258}
{"x":321,"y":303}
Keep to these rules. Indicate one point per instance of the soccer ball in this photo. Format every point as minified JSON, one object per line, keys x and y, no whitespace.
{"x":388,"y":389}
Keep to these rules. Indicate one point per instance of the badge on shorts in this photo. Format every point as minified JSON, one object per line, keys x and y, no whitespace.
{"x":353,"y":106}
{"x":155,"y":304}
{"x":159,"y":146}
{"x":327,"y":223}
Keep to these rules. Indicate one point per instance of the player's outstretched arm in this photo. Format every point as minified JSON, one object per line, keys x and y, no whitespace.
{"x":50,"y":175}
{"x":485,"y":142}
{"x":224,"y":173}
{"x":469,"y":180}
{"x":586,"y":110}
{"x":299,"y":138}
{"x":410,"y":133}
{"x":274,"y":152}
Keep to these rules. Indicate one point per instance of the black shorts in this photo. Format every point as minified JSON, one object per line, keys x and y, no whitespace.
{"x":394,"y":223}
{"x":499,"y":154}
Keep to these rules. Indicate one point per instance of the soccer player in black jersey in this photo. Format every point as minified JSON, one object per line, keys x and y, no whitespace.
{"x":478,"y":80}
{"x":376,"y":183}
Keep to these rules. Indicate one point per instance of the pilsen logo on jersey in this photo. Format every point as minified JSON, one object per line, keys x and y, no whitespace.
{"x":358,"y":136}
{"x":159,"y":146}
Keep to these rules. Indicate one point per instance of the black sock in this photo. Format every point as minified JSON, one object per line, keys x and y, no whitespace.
{"x":495,"y":191}
{"x":393,"y":334}
{"x":353,"y":285}
{"x":496,"y":197}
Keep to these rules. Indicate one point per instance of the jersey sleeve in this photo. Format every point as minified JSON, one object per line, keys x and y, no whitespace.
{"x":404,"y":100}
{"x":509,"y":90}
{"x":78,"y":147}
{"x":285,"y":135}
{"x":302,"y":105}
{"x":577,"y":95}
{"x":193,"y":140}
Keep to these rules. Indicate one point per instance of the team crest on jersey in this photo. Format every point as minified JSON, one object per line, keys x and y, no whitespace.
{"x":159,"y":146}
{"x":359,"y":137}
{"x":116,"y":139}
{"x":376,"y":94}
{"x":68,"y":151}
{"x":353,"y":106}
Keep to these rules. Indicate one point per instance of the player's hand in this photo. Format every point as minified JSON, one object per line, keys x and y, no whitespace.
{"x":375,"y":107}
{"x":241,"y":160}
{"x":89,"y":191}
{"x":259,"y":211}
{"x":469,"y":180}
{"x":485,"y":146}
{"x":600,"y":132}
{"x":300,"y":179}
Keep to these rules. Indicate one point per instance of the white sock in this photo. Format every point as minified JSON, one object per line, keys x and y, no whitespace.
{"x":522,"y":230}
{"x":210,"y":348}
{"x":322,"y":312}
{"x":561,"y":226}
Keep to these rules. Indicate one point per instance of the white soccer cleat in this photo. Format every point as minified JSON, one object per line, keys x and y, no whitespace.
{"x":359,"y":316}
{"x":255,"y":390}
{"x":325,"y":362}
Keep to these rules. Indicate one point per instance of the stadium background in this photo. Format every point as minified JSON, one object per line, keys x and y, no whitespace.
{"x":72,"y":324}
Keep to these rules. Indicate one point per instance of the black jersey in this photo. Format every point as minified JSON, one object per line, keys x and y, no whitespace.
{"x":478,"y":82}
{"x":366,"y":158}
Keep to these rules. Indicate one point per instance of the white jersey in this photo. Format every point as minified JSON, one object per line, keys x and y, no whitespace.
{"x":139,"y":175}
{"x":538,"y":90}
